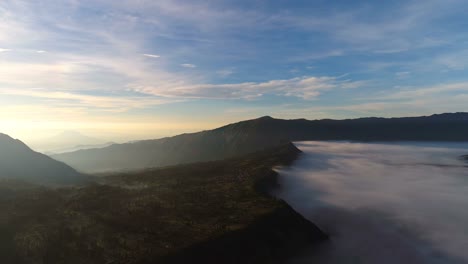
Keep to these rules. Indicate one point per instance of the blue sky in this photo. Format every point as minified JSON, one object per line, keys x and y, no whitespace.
{"x":151,"y":68}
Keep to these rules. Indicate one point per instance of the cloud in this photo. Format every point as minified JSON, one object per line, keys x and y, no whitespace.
{"x":225,"y":72}
{"x":430,"y":91}
{"x":395,"y":193}
{"x":188,"y":65}
{"x":4,"y":50}
{"x":109,"y":103}
{"x":455,"y":60}
{"x":302,"y":87}
{"x":403,"y":74}
{"x":406,"y":27}
{"x":411,"y":101}
{"x":349,"y":84}
{"x":392,"y":28}
{"x":95,"y":56}
{"x":390,"y":51}
{"x":396,"y":102}
{"x":151,"y":55}
{"x":318,"y":55}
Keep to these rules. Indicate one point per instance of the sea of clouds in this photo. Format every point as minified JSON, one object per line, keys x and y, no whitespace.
{"x":382,"y":202}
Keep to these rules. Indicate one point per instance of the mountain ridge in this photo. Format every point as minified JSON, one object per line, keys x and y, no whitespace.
{"x":256,"y":134}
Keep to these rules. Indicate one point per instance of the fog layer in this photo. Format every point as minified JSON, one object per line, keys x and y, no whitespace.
{"x":382,"y":203}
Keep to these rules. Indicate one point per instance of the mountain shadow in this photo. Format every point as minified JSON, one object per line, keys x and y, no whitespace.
{"x":19,"y":163}
{"x":257,"y":134}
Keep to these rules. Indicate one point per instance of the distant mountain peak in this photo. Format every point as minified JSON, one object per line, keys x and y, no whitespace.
{"x":72,"y":134}
{"x":67,"y":139}
{"x":265,"y":118}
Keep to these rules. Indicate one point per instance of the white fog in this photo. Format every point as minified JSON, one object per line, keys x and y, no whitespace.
{"x":382,"y":203}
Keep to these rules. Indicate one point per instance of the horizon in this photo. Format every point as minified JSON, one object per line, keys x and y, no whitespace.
{"x":152,"y":69}
{"x":74,"y":138}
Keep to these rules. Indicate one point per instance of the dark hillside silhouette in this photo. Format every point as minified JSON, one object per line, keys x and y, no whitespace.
{"x":19,"y":162}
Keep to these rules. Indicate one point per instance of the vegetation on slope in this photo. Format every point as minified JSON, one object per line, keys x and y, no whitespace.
{"x":214,"y":212}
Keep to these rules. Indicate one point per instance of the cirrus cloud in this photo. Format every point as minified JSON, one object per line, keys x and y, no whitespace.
{"x":151,"y":55}
{"x":188,"y":65}
{"x":306,"y":87}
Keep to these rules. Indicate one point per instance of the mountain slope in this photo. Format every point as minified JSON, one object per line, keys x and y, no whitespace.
{"x":253,"y":135}
{"x":213,"y":212}
{"x":19,"y":162}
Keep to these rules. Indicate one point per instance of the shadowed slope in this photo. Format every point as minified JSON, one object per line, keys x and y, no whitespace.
{"x":19,"y":162}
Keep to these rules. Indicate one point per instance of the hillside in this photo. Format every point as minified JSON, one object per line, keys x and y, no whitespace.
{"x":19,"y":162}
{"x":253,"y":135}
{"x":216,"y":212}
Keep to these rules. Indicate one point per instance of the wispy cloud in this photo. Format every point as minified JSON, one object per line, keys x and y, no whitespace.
{"x":188,"y":65}
{"x":4,"y":50}
{"x":454,"y":60}
{"x":402,"y":74}
{"x":225,"y":72}
{"x":58,"y":98}
{"x":447,"y":97}
{"x":151,"y":55}
{"x":431,"y":91}
{"x":302,"y":87}
{"x":318,"y":55}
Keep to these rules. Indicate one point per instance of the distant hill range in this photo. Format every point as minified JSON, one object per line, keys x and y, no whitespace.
{"x":257,"y":134}
{"x":19,"y":162}
{"x":77,"y":147}
{"x":66,"y":141}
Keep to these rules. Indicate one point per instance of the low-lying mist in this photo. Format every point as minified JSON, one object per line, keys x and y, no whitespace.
{"x":382,"y":203}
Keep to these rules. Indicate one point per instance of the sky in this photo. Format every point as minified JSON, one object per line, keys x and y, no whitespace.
{"x":144,"y":69}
